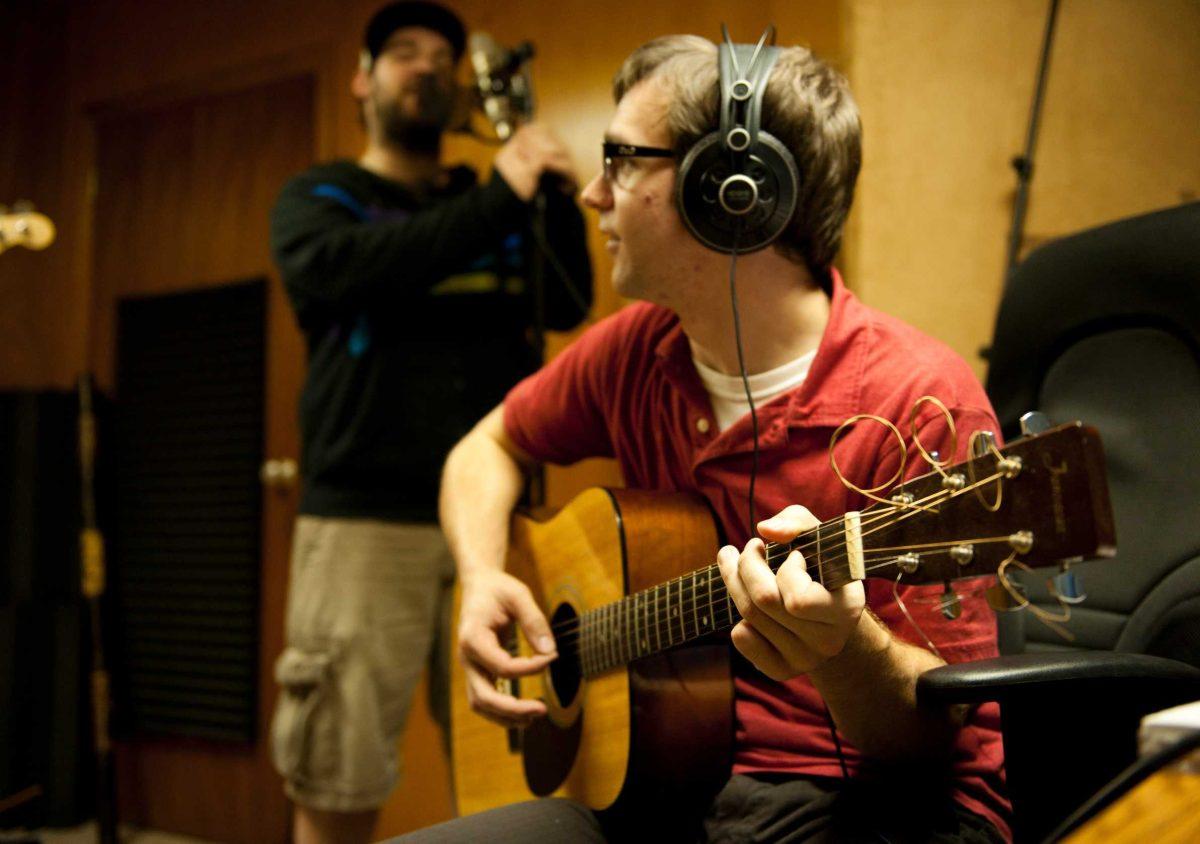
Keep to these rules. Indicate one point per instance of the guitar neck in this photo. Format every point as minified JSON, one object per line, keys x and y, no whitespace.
{"x":697,"y":604}
{"x":1043,"y":499}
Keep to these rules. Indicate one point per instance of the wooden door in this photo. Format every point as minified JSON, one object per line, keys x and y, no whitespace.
{"x":183,"y":190}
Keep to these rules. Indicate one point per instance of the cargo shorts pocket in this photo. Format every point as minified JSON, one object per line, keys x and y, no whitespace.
{"x":304,"y":676}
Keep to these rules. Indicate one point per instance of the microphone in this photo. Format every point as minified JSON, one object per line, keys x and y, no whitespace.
{"x":502,"y":80}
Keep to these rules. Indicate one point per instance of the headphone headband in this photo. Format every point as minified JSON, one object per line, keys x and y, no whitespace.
{"x":742,"y":90}
{"x":737,"y":186}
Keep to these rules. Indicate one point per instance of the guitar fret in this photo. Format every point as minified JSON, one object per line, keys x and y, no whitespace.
{"x":711,"y":614}
{"x":611,"y":639}
{"x":633,"y":627}
{"x":616,"y":633}
{"x":622,"y":631}
{"x":695,"y":608}
{"x":679,"y":613}
{"x":670,"y":615}
{"x":629,"y":640}
{"x":601,"y":654}
{"x":820,"y":562}
{"x":706,"y":620}
{"x":657,"y":618}
{"x":643,"y":642}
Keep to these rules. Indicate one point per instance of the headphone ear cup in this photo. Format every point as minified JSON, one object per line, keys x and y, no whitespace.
{"x":706,"y":178}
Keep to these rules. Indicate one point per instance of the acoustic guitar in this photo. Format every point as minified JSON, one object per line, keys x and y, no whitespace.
{"x":640,"y":720}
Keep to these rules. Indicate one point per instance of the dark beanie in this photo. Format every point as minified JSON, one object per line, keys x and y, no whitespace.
{"x":414,"y":13}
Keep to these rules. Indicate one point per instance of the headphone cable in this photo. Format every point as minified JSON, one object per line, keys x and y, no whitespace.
{"x":737,"y":334}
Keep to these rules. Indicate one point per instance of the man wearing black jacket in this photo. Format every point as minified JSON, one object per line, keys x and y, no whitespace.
{"x":411,"y":283}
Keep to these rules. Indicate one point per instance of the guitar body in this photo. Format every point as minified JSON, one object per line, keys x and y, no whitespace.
{"x":654,"y":735}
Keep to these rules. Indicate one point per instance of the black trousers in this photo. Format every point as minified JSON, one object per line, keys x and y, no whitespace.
{"x":749,"y":809}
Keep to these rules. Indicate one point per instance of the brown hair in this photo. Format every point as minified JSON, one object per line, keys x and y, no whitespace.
{"x":807,"y":106}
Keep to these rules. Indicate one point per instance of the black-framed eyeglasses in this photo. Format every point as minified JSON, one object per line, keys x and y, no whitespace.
{"x":616,"y":155}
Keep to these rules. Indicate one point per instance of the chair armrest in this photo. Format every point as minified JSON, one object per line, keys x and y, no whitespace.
{"x":1021,"y":676}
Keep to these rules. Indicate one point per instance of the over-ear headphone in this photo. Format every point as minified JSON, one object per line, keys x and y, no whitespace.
{"x":736,"y":188}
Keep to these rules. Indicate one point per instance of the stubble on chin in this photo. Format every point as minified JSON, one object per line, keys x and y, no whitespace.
{"x":419,"y":128}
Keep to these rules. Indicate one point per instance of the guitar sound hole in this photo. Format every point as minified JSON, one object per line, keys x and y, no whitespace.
{"x":565,"y":674}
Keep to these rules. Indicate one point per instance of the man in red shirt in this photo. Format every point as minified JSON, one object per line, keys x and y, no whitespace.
{"x":657,"y":387}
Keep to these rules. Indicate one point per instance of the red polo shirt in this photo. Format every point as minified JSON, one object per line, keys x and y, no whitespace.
{"x":628,"y":389}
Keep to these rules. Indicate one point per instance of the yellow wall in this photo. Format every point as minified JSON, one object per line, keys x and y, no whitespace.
{"x":945,"y":88}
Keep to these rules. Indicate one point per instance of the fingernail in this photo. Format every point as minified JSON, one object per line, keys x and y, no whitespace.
{"x":545,"y":645}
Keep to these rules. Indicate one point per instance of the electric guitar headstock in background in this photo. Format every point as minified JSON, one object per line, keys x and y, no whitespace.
{"x":25,"y":227}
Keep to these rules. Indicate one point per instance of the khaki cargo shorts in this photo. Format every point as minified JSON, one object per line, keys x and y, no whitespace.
{"x":368,"y":609}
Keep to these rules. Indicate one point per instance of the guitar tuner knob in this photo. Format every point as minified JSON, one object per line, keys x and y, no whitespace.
{"x":962,"y":554}
{"x":1034,"y":422}
{"x":1021,"y":541}
{"x":1068,"y":585}
{"x":984,"y":443}
{"x":1010,"y":467}
{"x":908,"y":563}
{"x":954,"y":482}
{"x":951,"y":605}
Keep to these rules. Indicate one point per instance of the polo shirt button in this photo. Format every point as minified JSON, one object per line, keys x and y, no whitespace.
{"x":702,"y":425}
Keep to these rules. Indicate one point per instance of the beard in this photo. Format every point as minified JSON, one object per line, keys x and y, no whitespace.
{"x":418,"y":128}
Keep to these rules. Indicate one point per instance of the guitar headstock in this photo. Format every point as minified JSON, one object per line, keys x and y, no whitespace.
{"x":1042,"y":500}
{"x":26,"y":228}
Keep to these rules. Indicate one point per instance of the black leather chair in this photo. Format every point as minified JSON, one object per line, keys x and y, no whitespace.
{"x":1102,"y":326}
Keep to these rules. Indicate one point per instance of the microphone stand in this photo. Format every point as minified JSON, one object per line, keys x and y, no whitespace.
{"x":1023,"y":164}
{"x":91,"y":544}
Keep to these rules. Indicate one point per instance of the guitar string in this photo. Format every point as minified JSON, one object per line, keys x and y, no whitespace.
{"x":607,"y":651}
{"x":612,"y":649}
{"x":691,"y":612}
{"x":687,"y":615}
{"x":621,"y":611}
{"x":777,"y":552}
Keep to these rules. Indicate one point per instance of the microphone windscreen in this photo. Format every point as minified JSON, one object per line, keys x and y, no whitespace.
{"x":486,"y":55}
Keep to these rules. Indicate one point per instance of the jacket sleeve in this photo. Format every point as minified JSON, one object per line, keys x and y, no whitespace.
{"x":333,"y":259}
{"x":567,"y":265}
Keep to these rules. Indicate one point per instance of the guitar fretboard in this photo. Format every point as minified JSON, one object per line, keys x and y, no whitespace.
{"x":696,"y":604}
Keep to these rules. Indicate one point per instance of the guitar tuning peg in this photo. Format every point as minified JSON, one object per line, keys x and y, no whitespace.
{"x":1069,"y":586}
{"x":1034,"y":422}
{"x":983,"y":444}
{"x":951,"y":605}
